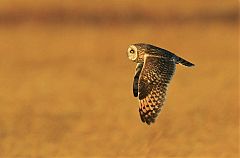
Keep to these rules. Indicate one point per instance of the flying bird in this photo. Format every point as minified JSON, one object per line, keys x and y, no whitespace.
{"x":154,"y":70}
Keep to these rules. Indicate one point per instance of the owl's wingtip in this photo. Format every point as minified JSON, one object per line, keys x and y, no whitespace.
{"x":185,"y":62}
{"x":149,"y":119}
{"x":190,"y":65}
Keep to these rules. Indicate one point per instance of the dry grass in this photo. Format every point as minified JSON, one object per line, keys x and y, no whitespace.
{"x":66,"y":92}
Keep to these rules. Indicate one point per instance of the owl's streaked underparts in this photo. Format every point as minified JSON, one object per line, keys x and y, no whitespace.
{"x":155,"y":68}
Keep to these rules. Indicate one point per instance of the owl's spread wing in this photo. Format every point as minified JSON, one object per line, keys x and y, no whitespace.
{"x":136,"y":78}
{"x":154,"y":78}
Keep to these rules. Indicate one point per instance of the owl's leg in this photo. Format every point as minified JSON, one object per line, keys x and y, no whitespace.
{"x":136,"y":78}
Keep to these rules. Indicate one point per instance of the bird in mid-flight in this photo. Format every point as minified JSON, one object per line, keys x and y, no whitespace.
{"x":154,"y":70}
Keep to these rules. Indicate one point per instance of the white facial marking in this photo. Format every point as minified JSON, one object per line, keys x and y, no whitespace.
{"x":132,"y":52}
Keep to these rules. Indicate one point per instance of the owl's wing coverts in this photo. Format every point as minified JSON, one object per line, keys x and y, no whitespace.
{"x":154,"y":78}
{"x":136,"y":78}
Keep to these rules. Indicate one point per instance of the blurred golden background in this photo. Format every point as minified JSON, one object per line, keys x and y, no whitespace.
{"x":66,"y":82}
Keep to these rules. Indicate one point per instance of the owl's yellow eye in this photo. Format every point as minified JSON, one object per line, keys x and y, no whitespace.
{"x":132,"y":51}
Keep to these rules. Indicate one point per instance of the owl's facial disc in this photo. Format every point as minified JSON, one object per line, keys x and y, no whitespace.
{"x":132,"y":53}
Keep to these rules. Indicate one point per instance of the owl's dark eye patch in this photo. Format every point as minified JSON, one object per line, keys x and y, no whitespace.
{"x":132,"y":51}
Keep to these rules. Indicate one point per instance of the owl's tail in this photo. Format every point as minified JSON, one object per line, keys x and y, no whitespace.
{"x":184,"y":62}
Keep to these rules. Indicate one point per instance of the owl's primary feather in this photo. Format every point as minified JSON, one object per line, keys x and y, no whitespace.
{"x":154,"y":79}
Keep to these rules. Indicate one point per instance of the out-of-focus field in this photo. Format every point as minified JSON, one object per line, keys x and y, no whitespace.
{"x":66,"y":89}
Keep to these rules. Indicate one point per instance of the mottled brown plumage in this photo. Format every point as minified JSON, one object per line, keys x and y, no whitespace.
{"x":154,"y":71}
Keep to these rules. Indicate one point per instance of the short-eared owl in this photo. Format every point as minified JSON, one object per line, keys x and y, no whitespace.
{"x":155,"y":68}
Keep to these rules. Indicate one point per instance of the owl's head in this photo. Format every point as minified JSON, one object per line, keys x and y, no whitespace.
{"x":136,"y":52}
{"x":132,"y":52}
